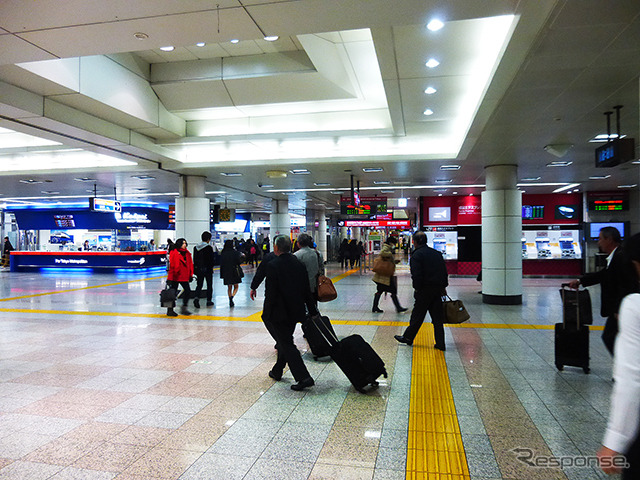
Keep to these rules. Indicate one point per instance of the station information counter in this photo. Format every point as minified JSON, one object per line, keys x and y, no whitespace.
{"x":100,"y":261}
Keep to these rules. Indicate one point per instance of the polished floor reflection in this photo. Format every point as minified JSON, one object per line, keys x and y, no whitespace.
{"x":96,"y":383}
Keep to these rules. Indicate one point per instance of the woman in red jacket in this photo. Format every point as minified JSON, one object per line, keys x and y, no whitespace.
{"x":180,"y":272}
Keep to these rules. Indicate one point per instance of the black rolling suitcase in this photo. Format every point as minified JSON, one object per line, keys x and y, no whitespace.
{"x":318,"y":343}
{"x":572,"y":335}
{"x":355,"y":357}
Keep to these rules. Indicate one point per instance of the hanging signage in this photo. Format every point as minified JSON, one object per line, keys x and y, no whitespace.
{"x":227,"y":215}
{"x":375,"y":223}
{"x":608,"y":201}
{"x":368,"y":206}
{"x":104,"y":205}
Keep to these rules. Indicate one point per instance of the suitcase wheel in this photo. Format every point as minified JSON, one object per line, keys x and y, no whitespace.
{"x":586,"y":369}
{"x":559,"y":366}
{"x":374,"y":383}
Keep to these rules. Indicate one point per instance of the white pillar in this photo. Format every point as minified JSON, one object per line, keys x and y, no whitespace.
{"x":279,"y":220}
{"x":321,"y":232}
{"x":192,"y":209}
{"x":501,"y":237}
{"x":343,"y":233}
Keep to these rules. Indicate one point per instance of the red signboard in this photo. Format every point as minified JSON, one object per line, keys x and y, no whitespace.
{"x":377,"y":223}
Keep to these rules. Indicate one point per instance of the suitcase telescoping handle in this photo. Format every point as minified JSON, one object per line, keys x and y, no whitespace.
{"x":565,"y":287}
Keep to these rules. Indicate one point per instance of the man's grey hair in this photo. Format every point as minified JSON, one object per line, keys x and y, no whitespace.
{"x":283,"y":243}
{"x":420,"y":238}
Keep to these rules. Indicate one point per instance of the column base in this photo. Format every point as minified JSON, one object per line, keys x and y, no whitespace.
{"x":502,"y":299}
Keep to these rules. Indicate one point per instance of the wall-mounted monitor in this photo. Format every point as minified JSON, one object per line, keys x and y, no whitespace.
{"x":532,"y":211}
{"x":567,"y":212}
{"x":607,"y":201}
{"x":595,"y":227}
{"x":439,"y":214}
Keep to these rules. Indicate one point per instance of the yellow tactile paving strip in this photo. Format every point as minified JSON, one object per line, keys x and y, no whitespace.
{"x":435,"y":449}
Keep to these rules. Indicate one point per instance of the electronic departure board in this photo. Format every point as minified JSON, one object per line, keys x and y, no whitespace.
{"x":532,"y":211}
{"x":607,"y":201}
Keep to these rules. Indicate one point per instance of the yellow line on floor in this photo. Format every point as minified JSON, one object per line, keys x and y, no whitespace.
{"x":435,"y":448}
{"x":77,"y":289}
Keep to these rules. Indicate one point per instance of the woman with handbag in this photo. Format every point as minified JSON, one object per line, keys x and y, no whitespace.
{"x":230,"y":269}
{"x":180,"y":272}
{"x":384,"y":268}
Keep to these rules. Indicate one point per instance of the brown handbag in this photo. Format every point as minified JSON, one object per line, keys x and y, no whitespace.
{"x":326,"y":290}
{"x":383,"y":267}
{"x":454,"y":311}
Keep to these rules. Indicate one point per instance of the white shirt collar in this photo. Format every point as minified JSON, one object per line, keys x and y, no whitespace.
{"x":610,"y":257}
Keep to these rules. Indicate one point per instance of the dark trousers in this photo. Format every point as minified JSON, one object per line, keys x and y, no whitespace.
{"x":200,"y":281}
{"x":392,"y":289}
{"x":427,"y":300}
{"x":633,"y":459}
{"x":186,"y":294}
{"x":610,"y":332}
{"x":288,"y":353}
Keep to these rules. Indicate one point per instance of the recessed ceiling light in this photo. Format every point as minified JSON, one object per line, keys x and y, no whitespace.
{"x":261,"y":185}
{"x":530,"y":179}
{"x":449,"y":167}
{"x":85,"y":179}
{"x":141,"y":35}
{"x":566,"y":187}
{"x":432,"y":63}
{"x":599,"y":177}
{"x":603,"y":137}
{"x":336,"y":192}
{"x":381,"y":182}
{"x":435,"y":25}
{"x":430,"y":90}
{"x":200,"y":44}
{"x":443,"y":180}
{"x":271,"y":38}
{"x":230,"y":174}
{"x":300,"y":171}
{"x":559,"y":164}
{"x":628,"y":186}
{"x":455,"y":193}
{"x":49,"y":192}
{"x":288,"y":193}
{"x":321,"y":184}
{"x":143,"y":177}
{"x":235,"y":40}
{"x":402,"y":182}
{"x":275,"y":174}
{"x":31,"y":181}
{"x":439,"y":194}
{"x":372,"y":169}
{"x":95,"y":191}
{"x":428,"y":111}
{"x":168,"y":49}
{"x":387,"y":191}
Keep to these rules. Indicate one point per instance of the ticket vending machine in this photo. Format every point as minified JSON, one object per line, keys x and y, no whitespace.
{"x":543,"y":248}
{"x":567,"y":248}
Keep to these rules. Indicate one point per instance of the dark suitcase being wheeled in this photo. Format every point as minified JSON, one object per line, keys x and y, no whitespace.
{"x":318,"y":343}
{"x":572,"y":335}
{"x":355,"y":357}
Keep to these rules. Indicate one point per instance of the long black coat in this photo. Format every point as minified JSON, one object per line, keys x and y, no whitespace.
{"x":287,"y":290}
{"x":229,"y":263}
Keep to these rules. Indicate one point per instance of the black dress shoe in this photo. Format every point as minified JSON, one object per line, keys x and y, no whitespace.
{"x":402,"y":339}
{"x":196,"y":303}
{"x":209,"y":304}
{"x":401,"y":309}
{"x":275,"y":375}
{"x":302,"y":384}
{"x":376,"y":310}
{"x":440,"y":347}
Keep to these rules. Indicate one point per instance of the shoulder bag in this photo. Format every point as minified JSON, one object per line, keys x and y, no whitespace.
{"x":383,"y":267}
{"x":454,"y":311}
{"x":168,"y":296}
{"x":326,"y":290}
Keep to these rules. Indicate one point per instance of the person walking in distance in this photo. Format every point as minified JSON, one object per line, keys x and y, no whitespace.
{"x":180,"y":272}
{"x":230,"y":269}
{"x":312,"y":261}
{"x":286,"y":294}
{"x":616,"y":281}
{"x":384,"y":283}
{"x":430,"y":281}
{"x":203,"y":268}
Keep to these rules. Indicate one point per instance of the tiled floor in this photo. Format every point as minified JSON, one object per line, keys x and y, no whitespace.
{"x":96,"y":383}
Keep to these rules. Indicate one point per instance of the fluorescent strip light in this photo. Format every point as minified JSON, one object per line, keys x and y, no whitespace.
{"x":167,"y":49}
{"x":566,"y":187}
{"x":381,"y":182}
{"x":300,"y":171}
{"x":322,"y":184}
{"x":628,"y":186}
{"x":530,"y":179}
{"x":449,"y":167}
{"x":230,"y":174}
{"x":559,"y":164}
{"x":372,"y":169}
{"x":599,"y":177}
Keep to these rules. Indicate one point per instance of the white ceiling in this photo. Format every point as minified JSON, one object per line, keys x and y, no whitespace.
{"x":341,"y":89}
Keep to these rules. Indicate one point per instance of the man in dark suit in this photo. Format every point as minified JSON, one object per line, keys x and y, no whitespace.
{"x":616,"y":281}
{"x":430,"y":281}
{"x":286,"y":293}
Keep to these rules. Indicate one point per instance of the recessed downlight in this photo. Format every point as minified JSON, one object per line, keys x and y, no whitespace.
{"x":261,"y":185}
{"x":428,"y":112}
{"x":435,"y":25}
{"x":234,"y":41}
{"x":372,"y":169}
{"x":230,"y":174}
{"x":443,"y":180}
{"x":167,"y":49}
{"x":381,"y":182}
{"x":200,"y":44}
{"x":141,"y":35}
{"x":271,"y":38}
{"x":430,"y":90}
{"x":322,"y":184}
{"x":432,"y":63}
{"x":449,"y":167}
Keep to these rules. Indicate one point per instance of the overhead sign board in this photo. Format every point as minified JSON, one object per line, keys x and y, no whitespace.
{"x":368,"y":206}
{"x":104,"y":205}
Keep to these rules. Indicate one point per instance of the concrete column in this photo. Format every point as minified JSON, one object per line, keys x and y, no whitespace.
{"x":310,"y":222}
{"x":343,"y":233}
{"x":192,"y":209}
{"x":501,"y":237}
{"x":280,"y":221}
{"x":321,"y":232}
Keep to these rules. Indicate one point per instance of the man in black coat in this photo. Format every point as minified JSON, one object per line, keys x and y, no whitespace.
{"x":616,"y":281}
{"x":203,"y":268}
{"x":430,"y":281}
{"x":286,"y":293}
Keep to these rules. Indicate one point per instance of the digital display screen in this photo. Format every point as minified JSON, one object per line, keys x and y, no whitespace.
{"x":368,"y":206}
{"x":607,"y":202}
{"x":439,"y":214}
{"x":104,"y":205}
{"x":566,"y":212}
{"x":64,"y":221}
{"x":594,"y":228}
{"x":532,"y":211}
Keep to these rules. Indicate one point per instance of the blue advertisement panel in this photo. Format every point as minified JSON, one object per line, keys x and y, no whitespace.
{"x":129,"y":217}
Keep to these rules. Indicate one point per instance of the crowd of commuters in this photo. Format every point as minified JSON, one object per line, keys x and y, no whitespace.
{"x":351,"y":252}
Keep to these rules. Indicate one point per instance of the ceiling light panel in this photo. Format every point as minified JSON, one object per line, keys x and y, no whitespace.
{"x":372,"y":169}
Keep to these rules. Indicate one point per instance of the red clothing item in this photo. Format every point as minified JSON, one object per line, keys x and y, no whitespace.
{"x":180,"y":265}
